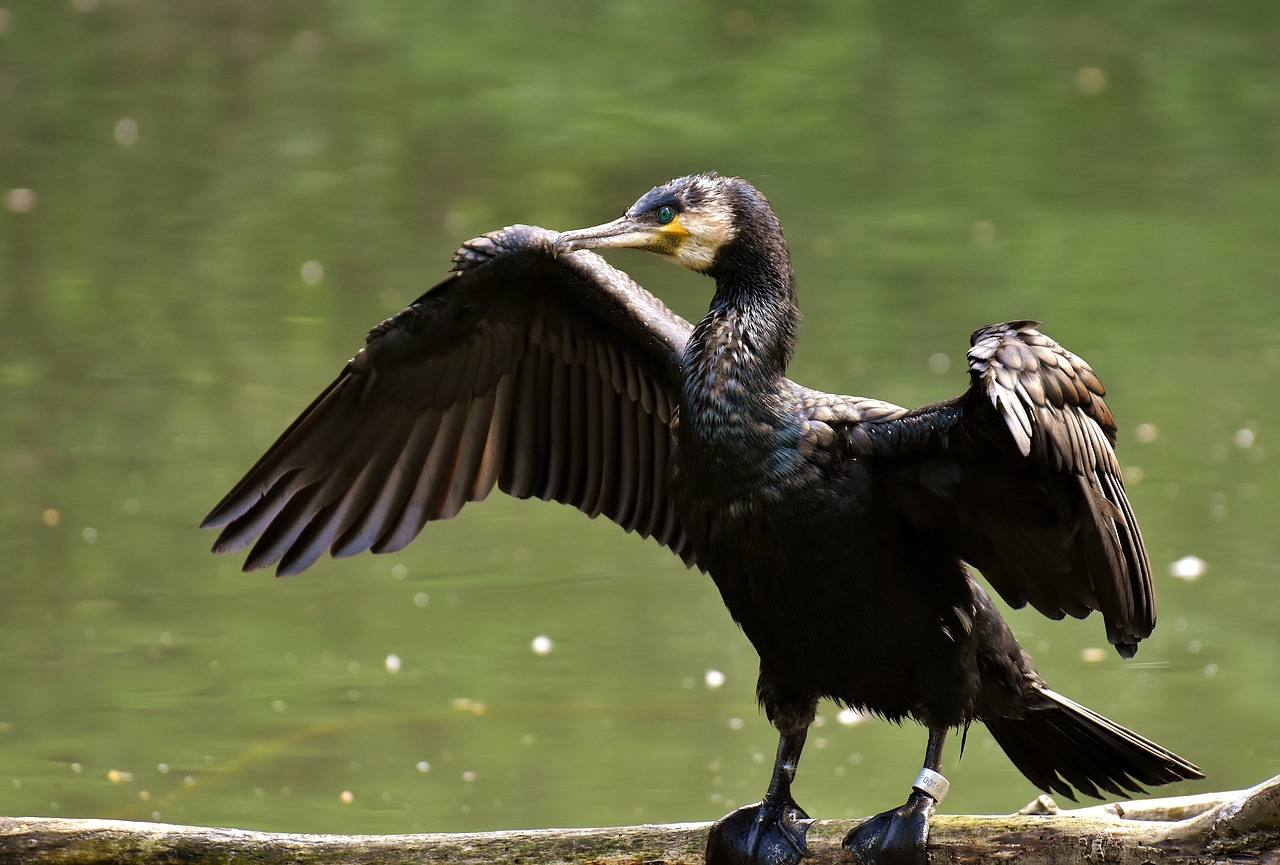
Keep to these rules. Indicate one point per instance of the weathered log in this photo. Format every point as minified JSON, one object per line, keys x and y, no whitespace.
{"x":1242,"y":826}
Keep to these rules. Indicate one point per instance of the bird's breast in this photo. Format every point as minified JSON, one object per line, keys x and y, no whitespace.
{"x":740,"y":473}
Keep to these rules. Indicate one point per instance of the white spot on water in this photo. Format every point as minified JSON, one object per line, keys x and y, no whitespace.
{"x":1188,"y":568}
{"x":21,"y":200}
{"x":850,"y":717}
{"x":312,"y":272}
{"x":126,"y":131}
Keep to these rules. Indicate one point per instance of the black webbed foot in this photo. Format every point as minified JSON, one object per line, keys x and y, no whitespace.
{"x":759,"y":834}
{"x":896,"y":837}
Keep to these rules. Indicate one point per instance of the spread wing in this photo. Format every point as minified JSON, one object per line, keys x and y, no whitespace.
{"x":553,"y":377}
{"x":1018,"y":474}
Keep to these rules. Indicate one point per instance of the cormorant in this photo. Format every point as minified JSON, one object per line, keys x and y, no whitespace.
{"x":838,"y":529}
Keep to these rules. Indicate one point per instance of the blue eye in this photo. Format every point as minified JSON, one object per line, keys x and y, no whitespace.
{"x":665,"y":214}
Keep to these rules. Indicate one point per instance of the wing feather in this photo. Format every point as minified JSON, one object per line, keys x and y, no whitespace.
{"x":389,"y":488}
{"x":548,"y":377}
{"x":495,"y":446}
{"x":1019,"y":475}
{"x":629,"y":470}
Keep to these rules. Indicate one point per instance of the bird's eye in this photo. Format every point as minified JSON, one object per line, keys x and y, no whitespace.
{"x":665,"y":214}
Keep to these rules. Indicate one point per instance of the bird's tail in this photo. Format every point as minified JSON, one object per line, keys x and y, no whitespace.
{"x":1059,"y":744}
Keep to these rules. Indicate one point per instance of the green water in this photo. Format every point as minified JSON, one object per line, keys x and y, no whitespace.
{"x":170,"y":169}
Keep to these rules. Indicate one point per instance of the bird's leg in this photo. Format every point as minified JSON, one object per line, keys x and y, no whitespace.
{"x":770,"y":832}
{"x":899,"y":837}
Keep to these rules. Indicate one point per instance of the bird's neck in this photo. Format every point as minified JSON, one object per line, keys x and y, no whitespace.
{"x":736,"y":360}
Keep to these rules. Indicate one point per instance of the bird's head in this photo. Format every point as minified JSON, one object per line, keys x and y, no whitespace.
{"x":687,"y":220}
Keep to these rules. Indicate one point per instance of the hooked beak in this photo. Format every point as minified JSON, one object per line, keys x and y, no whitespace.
{"x":620,"y":233}
{"x":623,"y":233}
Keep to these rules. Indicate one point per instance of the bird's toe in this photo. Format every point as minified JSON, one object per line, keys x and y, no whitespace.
{"x":896,"y":837}
{"x":759,"y":834}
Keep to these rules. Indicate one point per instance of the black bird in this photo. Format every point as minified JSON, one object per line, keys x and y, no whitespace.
{"x":838,"y":529}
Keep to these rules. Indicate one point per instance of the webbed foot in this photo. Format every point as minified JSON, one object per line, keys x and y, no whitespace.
{"x":759,"y":834}
{"x":896,"y":837}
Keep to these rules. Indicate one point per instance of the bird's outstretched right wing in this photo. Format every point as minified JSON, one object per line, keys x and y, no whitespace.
{"x":551,"y":377}
{"x":1019,"y":476}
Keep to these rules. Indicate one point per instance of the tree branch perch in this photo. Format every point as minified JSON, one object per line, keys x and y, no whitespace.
{"x":1237,"y":827}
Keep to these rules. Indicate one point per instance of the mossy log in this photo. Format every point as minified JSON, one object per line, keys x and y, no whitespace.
{"x":1238,"y":827}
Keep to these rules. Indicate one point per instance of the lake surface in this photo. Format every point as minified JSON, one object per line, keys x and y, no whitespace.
{"x":206,"y":206}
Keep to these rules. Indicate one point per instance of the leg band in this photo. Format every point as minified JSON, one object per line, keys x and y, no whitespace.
{"x":931,"y":783}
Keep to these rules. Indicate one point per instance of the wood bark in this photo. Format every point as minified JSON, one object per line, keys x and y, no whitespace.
{"x":1238,"y":827}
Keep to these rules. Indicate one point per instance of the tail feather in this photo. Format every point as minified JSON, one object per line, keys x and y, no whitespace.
{"x":1060,"y":745}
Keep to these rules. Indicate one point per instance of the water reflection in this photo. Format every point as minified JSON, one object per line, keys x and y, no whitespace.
{"x":204,"y":208}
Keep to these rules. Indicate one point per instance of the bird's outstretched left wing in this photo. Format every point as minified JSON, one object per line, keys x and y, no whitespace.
{"x":550,"y":377}
{"x":1019,"y":476}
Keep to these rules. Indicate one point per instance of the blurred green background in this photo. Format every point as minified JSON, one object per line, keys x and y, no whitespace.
{"x":206,"y":205}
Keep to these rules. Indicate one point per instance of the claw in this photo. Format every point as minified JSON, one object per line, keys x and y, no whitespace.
{"x":897,"y":837}
{"x":759,"y":834}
